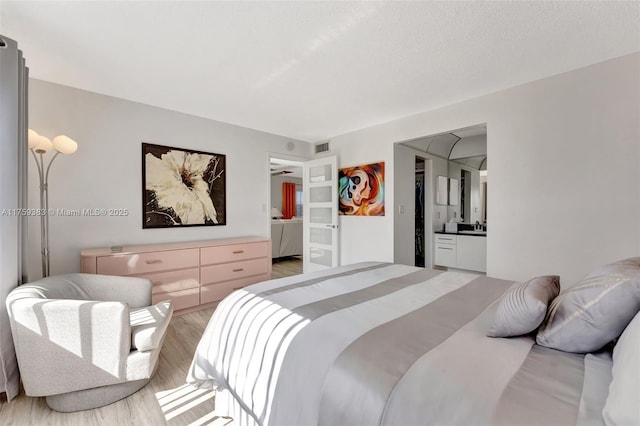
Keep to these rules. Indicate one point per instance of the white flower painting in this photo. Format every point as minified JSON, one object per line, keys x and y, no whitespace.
{"x":182,"y":187}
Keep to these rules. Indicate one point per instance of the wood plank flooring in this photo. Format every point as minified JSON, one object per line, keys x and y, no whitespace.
{"x":286,"y":267}
{"x":167,"y":399}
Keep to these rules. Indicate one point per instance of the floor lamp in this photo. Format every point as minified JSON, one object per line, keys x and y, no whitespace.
{"x":40,"y":145}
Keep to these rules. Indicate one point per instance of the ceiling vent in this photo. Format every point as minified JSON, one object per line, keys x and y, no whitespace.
{"x":321,"y":147}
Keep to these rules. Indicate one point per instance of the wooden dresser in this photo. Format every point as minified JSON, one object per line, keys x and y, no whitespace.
{"x":194,"y":275}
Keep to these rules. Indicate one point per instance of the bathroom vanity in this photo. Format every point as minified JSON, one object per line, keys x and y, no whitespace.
{"x":461,"y":250}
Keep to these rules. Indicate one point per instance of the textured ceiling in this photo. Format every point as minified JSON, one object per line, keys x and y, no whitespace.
{"x":312,"y":70}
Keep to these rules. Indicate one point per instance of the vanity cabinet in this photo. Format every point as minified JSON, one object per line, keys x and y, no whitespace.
{"x":461,"y":252}
{"x":193,"y":275}
{"x":471,"y":253}
{"x":445,"y":253}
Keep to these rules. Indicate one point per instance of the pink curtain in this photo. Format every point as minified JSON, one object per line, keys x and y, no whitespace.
{"x":288,"y":200}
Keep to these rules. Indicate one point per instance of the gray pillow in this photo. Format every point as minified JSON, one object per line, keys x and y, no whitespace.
{"x":523,"y":307}
{"x":586,"y":317}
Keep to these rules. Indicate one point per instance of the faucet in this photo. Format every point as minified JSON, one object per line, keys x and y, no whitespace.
{"x":477,"y":226}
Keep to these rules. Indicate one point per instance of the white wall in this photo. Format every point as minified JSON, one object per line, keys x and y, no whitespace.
{"x":565,"y":168}
{"x":105,"y":172}
{"x":276,"y":188}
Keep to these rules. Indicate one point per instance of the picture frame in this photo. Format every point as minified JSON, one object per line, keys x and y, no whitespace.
{"x":361,"y":190}
{"x":182,"y":187}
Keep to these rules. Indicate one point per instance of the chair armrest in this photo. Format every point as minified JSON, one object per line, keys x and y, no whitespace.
{"x":67,"y":345}
{"x":136,"y":292}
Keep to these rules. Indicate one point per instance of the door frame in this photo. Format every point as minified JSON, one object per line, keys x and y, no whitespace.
{"x":428,"y":210}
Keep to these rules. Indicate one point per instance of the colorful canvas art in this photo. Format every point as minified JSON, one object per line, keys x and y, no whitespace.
{"x":361,"y":190}
{"x":182,"y":187}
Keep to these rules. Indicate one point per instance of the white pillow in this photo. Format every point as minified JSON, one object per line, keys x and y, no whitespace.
{"x":592,"y":313}
{"x":623,"y":403}
{"x":523,"y":307}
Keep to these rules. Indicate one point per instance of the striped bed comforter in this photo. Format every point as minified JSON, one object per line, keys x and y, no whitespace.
{"x":385,"y":344}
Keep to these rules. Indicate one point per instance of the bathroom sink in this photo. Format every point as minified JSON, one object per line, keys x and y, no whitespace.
{"x":473,"y":232}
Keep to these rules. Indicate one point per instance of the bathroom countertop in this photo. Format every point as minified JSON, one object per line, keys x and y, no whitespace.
{"x":469,"y":233}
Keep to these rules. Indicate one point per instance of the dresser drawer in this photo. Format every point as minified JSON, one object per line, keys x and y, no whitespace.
{"x":180,"y":299}
{"x":143,"y":263}
{"x":174,"y":280}
{"x":232,"y":253}
{"x":214,"y":292}
{"x":234,"y":270}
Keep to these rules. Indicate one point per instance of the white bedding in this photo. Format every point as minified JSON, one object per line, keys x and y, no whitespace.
{"x":388,"y":344}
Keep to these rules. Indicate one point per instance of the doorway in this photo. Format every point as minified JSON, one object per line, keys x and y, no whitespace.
{"x":419,"y":213}
{"x":413,"y":205}
{"x":285,"y":213}
{"x":457,"y":159}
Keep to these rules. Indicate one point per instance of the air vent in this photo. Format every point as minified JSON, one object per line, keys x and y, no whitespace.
{"x":322,"y":147}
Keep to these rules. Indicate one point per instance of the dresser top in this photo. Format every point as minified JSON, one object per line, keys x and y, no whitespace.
{"x":143,"y":248}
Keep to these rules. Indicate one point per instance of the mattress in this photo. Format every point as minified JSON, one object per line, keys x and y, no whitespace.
{"x":386,"y":344}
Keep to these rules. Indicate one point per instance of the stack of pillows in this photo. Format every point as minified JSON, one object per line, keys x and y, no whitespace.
{"x":584,"y":318}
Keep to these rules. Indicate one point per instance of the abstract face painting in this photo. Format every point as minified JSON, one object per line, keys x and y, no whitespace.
{"x":361,"y":190}
{"x":182,"y":187}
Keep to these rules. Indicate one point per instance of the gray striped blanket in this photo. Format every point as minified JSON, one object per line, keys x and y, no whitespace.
{"x":385,"y":344}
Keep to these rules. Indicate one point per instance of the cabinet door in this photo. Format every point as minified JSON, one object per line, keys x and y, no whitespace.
{"x":441,"y":191}
{"x":453,"y":192}
{"x":472,"y":253}
{"x":445,"y":255}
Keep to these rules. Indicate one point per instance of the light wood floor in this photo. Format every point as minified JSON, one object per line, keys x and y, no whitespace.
{"x":167,"y":399}
{"x":286,"y":267}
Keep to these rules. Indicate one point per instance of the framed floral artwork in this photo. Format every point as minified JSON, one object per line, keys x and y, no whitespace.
{"x":182,"y":187}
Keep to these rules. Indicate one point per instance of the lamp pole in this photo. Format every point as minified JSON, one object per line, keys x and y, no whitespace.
{"x":40,"y":145}
{"x":44,"y":208}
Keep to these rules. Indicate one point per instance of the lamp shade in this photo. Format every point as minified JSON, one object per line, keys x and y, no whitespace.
{"x":276,"y":213}
{"x":44,"y":144}
{"x":64,"y":144}
{"x":33,"y":139}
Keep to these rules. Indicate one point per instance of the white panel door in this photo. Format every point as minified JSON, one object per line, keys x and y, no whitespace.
{"x":320,"y":218}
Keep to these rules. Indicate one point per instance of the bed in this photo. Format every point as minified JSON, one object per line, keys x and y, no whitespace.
{"x":387,"y":344}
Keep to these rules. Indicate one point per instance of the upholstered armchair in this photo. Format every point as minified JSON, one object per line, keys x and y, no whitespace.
{"x":83,"y":340}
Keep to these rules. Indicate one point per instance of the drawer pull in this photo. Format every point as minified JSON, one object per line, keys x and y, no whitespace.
{"x":445,"y":239}
{"x":154,"y":262}
{"x":238,"y":270}
{"x":238,"y":251}
{"x":445,"y":248}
